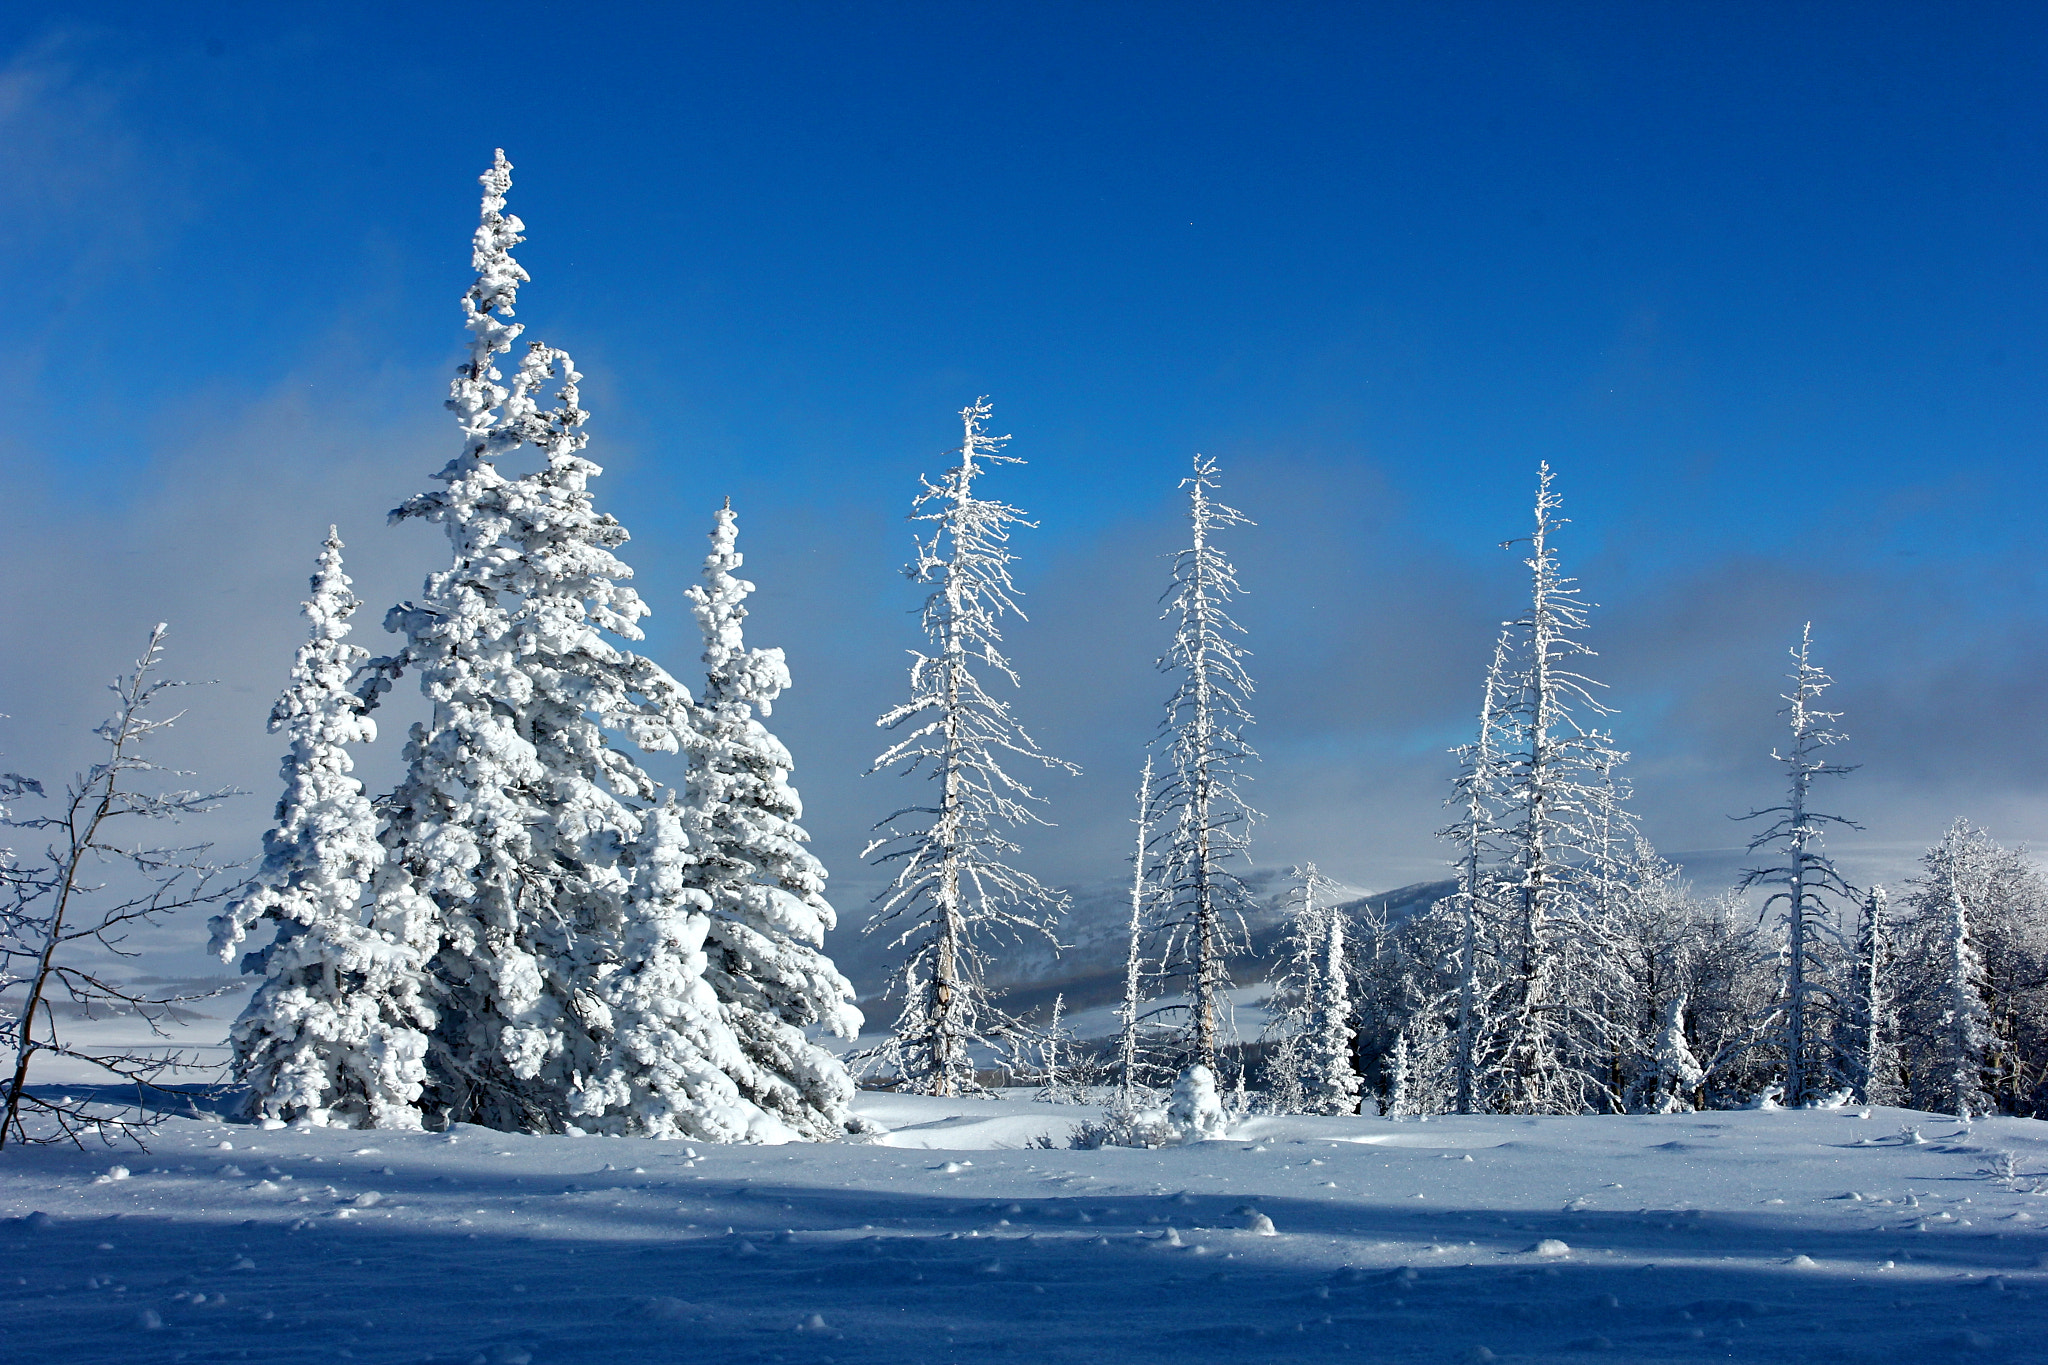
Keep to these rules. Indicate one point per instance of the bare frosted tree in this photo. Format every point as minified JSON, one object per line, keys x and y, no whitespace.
{"x":954,"y":889}
{"x":1556,"y":778}
{"x":95,"y":886}
{"x":1206,"y":718}
{"x":1478,"y":790}
{"x":1809,"y":880}
{"x":1133,"y":1015}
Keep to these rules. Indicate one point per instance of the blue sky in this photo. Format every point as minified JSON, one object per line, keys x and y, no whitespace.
{"x":1763,"y":282}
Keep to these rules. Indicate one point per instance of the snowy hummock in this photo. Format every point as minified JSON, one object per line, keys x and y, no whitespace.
{"x":1768,"y":1235}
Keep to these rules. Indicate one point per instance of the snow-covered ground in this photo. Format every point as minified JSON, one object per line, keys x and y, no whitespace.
{"x":1754,"y":1236}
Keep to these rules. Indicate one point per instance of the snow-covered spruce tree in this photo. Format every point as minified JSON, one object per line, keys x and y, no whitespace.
{"x":764,"y":890}
{"x":1330,"y":1080}
{"x":1555,"y":782}
{"x":1208,"y":819}
{"x":1811,"y":884}
{"x":335,"y":1034}
{"x":953,"y":890}
{"x":2005,"y":900}
{"x":1674,"y":1075}
{"x":1651,"y":930}
{"x":1399,"y":1099}
{"x":1965,"y":1036}
{"x":1291,"y":1008}
{"x":1956,"y":1047}
{"x":514,"y":841}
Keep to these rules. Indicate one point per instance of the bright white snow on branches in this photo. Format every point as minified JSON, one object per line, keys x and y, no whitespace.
{"x":98,"y":885}
{"x":336,"y":1031}
{"x":953,"y":888}
{"x":1208,"y":820}
{"x":764,"y":890}
{"x":549,"y":880}
{"x":1811,"y":885}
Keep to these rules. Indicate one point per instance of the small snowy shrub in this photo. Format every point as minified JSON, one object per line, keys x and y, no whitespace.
{"x":1196,"y":1113}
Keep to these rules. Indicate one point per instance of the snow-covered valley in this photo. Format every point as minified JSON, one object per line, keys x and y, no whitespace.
{"x":1768,"y":1235}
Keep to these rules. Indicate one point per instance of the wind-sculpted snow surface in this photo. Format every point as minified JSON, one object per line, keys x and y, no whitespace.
{"x":1759,"y":1236}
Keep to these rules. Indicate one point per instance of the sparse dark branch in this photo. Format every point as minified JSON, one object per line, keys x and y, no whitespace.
{"x":55,"y":906}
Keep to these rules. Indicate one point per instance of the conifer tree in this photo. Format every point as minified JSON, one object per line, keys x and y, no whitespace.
{"x":1675,"y":1074}
{"x":336,"y":1031}
{"x":1555,"y":786}
{"x":765,"y":891}
{"x":954,"y":889}
{"x":1478,"y":790}
{"x":1960,"y":1043}
{"x":1203,"y":730}
{"x":1811,"y":884}
{"x":512,"y":841}
{"x":1870,"y":1013}
{"x":1133,"y":1065}
{"x":1292,"y":1006}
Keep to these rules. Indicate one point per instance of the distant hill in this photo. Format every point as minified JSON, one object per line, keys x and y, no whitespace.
{"x":1090,"y":971}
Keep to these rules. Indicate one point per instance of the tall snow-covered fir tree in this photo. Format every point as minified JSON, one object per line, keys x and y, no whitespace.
{"x":1555,"y":788}
{"x":954,"y":890}
{"x":1291,"y":1008}
{"x":335,"y":1033}
{"x":1330,"y":1079}
{"x":1971,"y":978}
{"x":516,"y":841}
{"x":1810,"y":884}
{"x":1208,"y":820}
{"x":765,"y":890}
{"x":1958,"y":1046}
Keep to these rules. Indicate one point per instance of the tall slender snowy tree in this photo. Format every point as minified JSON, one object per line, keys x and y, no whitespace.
{"x":1478,"y":791}
{"x":954,"y":890}
{"x":336,"y":1031}
{"x":1291,"y":1009}
{"x":1870,"y":1012}
{"x":1555,"y":783}
{"x":1959,"y":1043}
{"x":1330,"y":1078}
{"x":1203,"y":730}
{"x":1133,"y":1065}
{"x":1811,"y":884}
{"x":764,"y":890}
{"x":514,"y":840}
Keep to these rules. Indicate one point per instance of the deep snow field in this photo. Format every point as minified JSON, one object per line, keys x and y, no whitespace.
{"x":1751,"y":1236}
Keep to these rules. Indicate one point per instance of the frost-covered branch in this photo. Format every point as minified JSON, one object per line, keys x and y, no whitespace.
{"x":57,"y":915}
